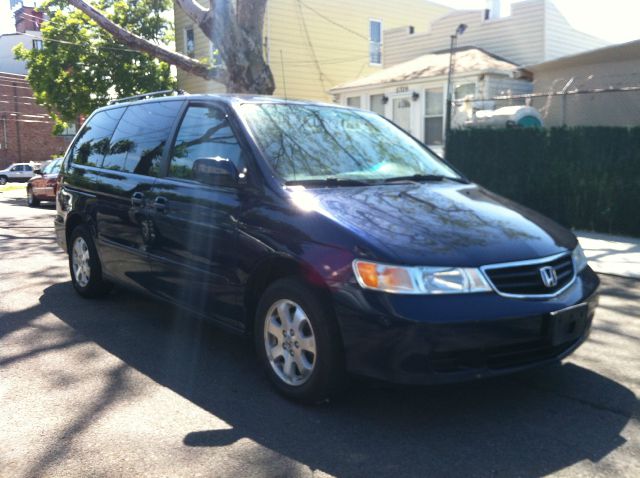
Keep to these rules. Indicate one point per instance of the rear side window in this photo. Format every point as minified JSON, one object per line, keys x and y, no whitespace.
{"x":92,"y":142}
{"x":204,"y":133}
{"x":139,"y":140}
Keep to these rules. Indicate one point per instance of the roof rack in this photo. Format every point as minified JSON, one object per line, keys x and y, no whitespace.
{"x":147,"y":95}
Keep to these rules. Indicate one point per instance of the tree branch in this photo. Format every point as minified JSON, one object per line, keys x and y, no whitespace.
{"x":201,"y":16}
{"x":144,"y":46}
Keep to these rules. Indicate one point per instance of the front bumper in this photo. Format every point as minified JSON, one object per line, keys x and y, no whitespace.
{"x":440,"y":339}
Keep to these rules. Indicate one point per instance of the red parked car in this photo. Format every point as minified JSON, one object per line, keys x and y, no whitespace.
{"x":42,"y":186}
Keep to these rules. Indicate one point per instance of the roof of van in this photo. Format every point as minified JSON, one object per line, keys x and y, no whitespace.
{"x":223,"y":97}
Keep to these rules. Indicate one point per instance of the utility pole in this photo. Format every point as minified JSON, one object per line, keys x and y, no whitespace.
{"x":454,"y":41}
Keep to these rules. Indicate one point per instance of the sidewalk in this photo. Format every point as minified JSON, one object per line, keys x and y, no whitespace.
{"x":610,"y":254}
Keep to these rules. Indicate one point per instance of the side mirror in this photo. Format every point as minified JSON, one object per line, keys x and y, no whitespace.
{"x":215,"y":171}
{"x":37,"y":171}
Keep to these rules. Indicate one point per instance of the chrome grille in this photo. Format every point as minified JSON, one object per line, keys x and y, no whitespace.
{"x":524,"y":278}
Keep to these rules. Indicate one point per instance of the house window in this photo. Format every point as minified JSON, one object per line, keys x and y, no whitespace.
{"x":37,"y":44}
{"x":433,"y":116}
{"x":190,"y":42}
{"x":375,"y":42}
{"x":353,"y":101}
{"x":464,"y":90}
{"x":376,"y":104}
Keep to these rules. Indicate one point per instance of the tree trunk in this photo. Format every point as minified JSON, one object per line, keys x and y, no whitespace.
{"x":235,"y":27}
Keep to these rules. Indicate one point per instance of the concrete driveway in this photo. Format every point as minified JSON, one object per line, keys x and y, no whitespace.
{"x":125,"y":386}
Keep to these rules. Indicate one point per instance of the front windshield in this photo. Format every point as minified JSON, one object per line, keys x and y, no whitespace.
{"x":310,"y":142}
{"x":52,"y":167}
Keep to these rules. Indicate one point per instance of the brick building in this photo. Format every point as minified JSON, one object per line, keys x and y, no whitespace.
{"x":25,"y":127}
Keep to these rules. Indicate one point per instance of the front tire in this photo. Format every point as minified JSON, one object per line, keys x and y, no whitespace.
{"x":3,"y":180}
{"x":32,"y":201}
{"x":298,"y":342}
{"x":84,"y":265}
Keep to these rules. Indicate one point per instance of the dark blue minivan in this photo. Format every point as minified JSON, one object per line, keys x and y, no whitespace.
{"x":339,"y":242}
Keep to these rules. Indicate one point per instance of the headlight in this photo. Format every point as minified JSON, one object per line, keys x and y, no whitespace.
{"x":579,"y":259}
{"x":419,"y":280}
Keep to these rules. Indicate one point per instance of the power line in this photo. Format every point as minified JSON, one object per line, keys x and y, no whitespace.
{"x":321,"y":75}
{"x":333,"y":21}
{"x":297,"y":43}
{"x":85,"y":45}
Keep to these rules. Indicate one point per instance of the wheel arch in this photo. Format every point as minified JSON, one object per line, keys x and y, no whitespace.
{"x":72,"y":221}
{"x":275,"y":268}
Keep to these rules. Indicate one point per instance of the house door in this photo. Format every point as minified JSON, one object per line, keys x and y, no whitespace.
{"x":402,"y":113}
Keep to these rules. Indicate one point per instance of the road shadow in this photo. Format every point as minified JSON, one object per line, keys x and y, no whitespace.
{"x":530,"y":424}
{"x":22,"y":202}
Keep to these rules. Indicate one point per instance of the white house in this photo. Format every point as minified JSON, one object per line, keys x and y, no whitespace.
{"x":27,"y":22}
{"x":8,"y":64}
{"x":411,"y":90}
{"x":413,"y":93}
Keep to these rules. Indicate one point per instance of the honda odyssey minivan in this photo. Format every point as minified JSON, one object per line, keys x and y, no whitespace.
{"x":339,"y":242}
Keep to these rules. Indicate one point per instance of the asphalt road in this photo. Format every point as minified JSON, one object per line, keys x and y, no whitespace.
{"x":125,"y":386}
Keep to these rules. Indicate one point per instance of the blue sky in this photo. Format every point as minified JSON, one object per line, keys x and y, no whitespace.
{"x":613,"y":20}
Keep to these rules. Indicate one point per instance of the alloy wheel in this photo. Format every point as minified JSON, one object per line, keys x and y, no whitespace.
{"x":289,"y":342}
{"x":80,"y":262}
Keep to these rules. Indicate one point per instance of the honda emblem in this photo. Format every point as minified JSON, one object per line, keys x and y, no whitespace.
{"x":549,"y":276}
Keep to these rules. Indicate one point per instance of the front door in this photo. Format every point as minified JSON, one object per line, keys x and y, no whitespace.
{"x":193,"y":252}
{"x":402,"y":113}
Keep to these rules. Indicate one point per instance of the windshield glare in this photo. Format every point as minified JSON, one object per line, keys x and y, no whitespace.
{"x":310,"y":142}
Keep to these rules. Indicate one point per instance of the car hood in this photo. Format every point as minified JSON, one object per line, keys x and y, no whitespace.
{"x":441,"y":224}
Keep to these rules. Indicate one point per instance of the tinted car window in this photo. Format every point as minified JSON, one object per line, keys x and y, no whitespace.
{"x":137,"y":144}
{"x":27,"y":168}
{"x":204,"y":133}
{"x":92,"y":142}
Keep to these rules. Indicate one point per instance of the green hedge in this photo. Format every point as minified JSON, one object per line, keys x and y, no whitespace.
{"x":585,"y":178}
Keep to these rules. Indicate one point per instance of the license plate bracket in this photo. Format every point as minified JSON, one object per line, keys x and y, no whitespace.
{"x":568,"y":324}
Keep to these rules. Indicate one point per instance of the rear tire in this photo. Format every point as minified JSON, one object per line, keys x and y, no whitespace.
{"x":84,"y":265}
{"x":298,"y":342}
{"x":32,"y":201}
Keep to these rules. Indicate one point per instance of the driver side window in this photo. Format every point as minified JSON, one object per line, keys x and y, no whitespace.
{"x":204,"y":133}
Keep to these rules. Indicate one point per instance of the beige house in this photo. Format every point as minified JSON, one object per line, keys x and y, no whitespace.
{"x":312,"y":45}
{"x":595,"y":88}
{"x":534,"y":31}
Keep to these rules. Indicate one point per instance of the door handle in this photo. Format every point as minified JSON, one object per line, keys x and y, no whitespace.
{"x":137,"y":199}
{"x":160,"y":204}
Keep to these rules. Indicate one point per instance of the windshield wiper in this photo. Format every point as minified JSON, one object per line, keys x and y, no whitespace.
{"x":326,"y":182}
{"x":425,"y":178}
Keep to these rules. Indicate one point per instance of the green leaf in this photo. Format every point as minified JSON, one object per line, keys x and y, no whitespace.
{"x":81,"y":67}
